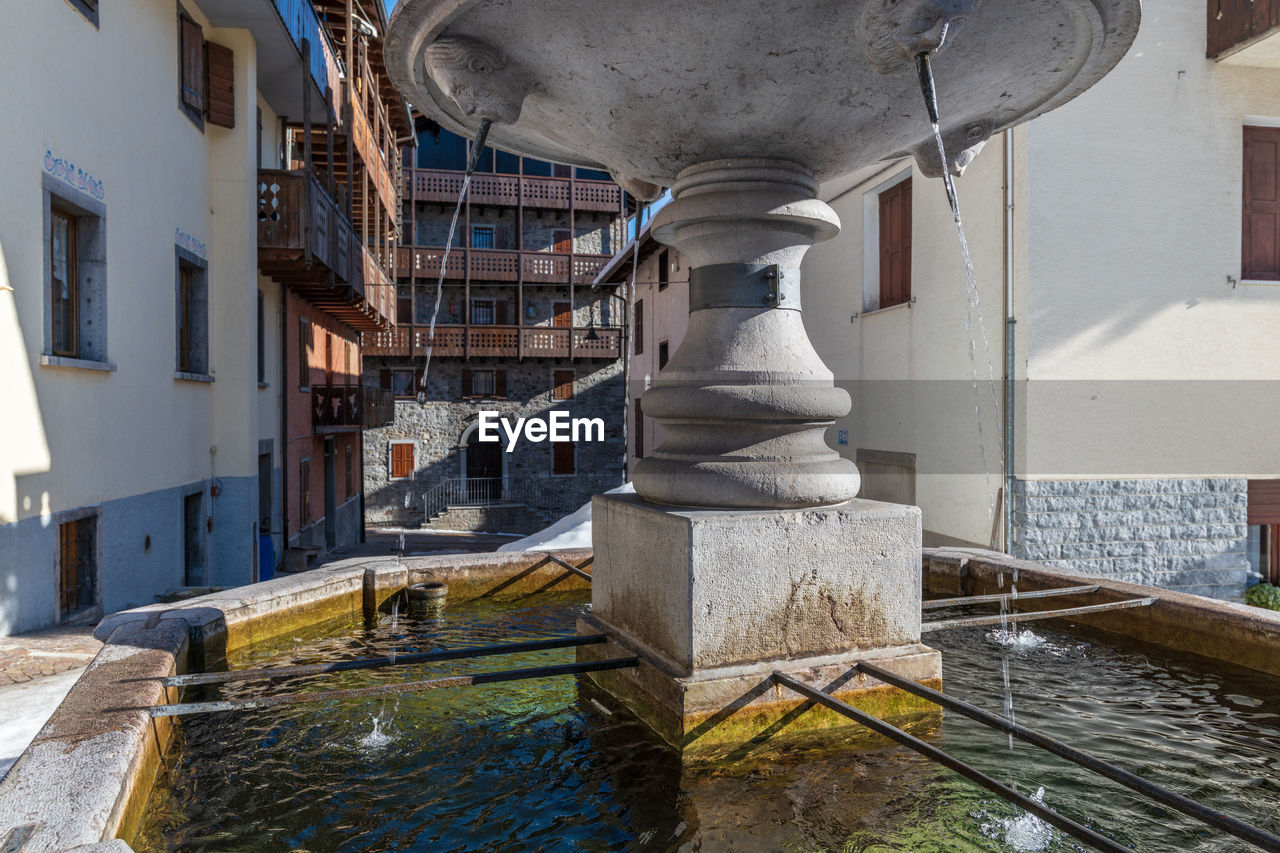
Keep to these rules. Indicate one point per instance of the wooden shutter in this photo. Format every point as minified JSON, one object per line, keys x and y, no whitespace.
{"x":500,"y":383}
{"x":384,"y":379}
{"x":562,"y":241}
{"x":1260,"y":227}
{"x":563,"y":385}
{"x":562,"y":457}
{"x":401,"y":460}
{"x":637,"y":331}
{"x":219,"y":80}
{"x":466,"y":383}
{"x":500,"y":312}
{"x":419,"y":382}
{"x":639,"y":429}
{"x":1264,"y":502}
{"x":562,"y":316}
{"x":192,"y":37}
{"x":895,"y":244}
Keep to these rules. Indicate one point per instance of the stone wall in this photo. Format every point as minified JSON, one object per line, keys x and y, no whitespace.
{"x":437,"y":429}
{"x":1187,"y":534}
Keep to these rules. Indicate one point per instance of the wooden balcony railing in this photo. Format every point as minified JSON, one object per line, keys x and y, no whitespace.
{"x":346,"y":407}
{"x":484,"y":341}
{"x":443,"y":186}
{"x":366,"y":144}
{"x":499,"y":265}
{"x":1233,"y":23}
{"x":305,"y":241}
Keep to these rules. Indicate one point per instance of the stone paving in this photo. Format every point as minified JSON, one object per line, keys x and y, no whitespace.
{"x":38,"y":654}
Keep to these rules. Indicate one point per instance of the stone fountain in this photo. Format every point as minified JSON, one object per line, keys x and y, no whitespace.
{"x":745,"y":549}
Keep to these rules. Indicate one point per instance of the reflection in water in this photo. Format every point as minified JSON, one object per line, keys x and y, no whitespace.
{"x":553,"y":764}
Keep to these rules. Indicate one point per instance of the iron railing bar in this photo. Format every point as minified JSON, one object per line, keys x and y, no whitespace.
{"x":559,"y":562}
{"x":189,"y":708}
{"x":1238,"y":828}
{"x":936,"y":603}
{"x":936,"y":755}
{"x":1031,"y":615}
{"x":272,"y":672}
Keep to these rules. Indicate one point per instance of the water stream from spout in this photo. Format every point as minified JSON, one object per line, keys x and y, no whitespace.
{"x":973,"y":307}
{"x":477,"y":147}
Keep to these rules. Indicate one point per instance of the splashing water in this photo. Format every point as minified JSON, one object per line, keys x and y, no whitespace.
{"x":379,"y":738}
{"x":973,"y":305}
{"x":1025,"y":832}
{"x":1018,"y":641}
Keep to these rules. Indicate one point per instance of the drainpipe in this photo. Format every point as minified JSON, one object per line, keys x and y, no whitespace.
{"x":284,"y":421}
{"x":1009,"y":324}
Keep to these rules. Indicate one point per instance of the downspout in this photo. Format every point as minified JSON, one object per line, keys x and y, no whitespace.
{"x":284,"y":422}
{"x":1009,"y":324}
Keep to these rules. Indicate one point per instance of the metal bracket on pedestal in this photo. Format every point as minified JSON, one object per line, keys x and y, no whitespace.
{"x":744,"y":286}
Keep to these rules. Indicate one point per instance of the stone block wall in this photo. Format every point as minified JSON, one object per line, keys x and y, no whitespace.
{"x":438,"y":431}
{"x":1187,"y":534}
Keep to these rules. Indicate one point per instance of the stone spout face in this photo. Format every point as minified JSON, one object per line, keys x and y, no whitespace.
{"x":896,"y":30}
{"x":478,"y":77}
{"x":963,"y":142}
{"x":745,"y":402}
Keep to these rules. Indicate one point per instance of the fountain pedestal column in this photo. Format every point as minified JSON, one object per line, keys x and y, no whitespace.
{"x":744,"y":551}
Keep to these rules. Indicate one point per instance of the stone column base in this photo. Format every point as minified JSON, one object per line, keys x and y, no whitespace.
{"x":735,"y":713}
{"x":713,"y":601}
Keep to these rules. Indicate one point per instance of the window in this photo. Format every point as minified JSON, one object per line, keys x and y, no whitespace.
{"x":895,"y":244}
{"x":66,"y":289}
{"x":1260,"y":231}
{"x":402,"y":384}
{"x":77,"y":565}
{"x":304,"y":354}
{"x":637,"y":331}
{"x":482,"y":312}
{"x":404,"y":304}
{"x":562,"y":458}
{"x":484,"y":383}
{"x":192,"y":302}
{"x":75,"y":272}
{"x":401,"y":459}
{"x":304,"y":490}
{"x":350,"y":472}
{"x":563,"y":389}
{"x":638,"y":429}
{"x":1264,"y":529}
{"x":262,"y":341}
{"x":663,"y":351}
{"x":191,"y":69}
{"x":482,"y":236}
{"x":664,"y":269}
{"x":559,"y":170}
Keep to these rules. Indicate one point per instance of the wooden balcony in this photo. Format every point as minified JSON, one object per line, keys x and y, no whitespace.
{"x":342,"y":408}
{"x":486,"y":265}
{"x":1237,"y":29}
{"x":442,"y":186}
{"x":475,"y":341}
{"x":306,"y":242}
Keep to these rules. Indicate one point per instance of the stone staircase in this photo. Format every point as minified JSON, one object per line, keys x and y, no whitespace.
{"x":497,"y":518}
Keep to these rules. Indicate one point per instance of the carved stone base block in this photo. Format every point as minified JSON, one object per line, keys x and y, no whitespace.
{"x":714,"y":601}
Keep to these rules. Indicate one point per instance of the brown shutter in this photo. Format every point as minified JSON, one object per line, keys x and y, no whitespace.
{"x":895,"y":245}
{"x":563,"y":380}
{"x":401,"y":460}
{"x":562,"y":457}
{"x":639,"y":429}
{"x":466,"y":383}
{"x":500,"y":383}
{"x":637,"y":331}
{"x":192,"y":64}
{"x":500,"y":312}
{"x":1260,"y":228}
{"x":1264,"y":502}
{"x":384,"y":379}
{"x":219,"y":77}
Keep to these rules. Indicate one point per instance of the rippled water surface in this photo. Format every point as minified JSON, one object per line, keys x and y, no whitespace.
{"x":547,"y":765}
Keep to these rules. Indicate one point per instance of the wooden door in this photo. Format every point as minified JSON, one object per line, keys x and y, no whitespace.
{"x":562,"y":241}
{"x":1260,"y":227}
{"x":562,"y":315}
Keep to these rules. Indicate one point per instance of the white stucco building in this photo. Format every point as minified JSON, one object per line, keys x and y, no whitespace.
{"x":1128,"y":265}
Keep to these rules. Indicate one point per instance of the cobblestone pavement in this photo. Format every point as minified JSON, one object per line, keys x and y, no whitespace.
{"x":38,"y":654}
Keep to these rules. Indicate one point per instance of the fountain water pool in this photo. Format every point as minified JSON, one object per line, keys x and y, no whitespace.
{"x":556,"y":765}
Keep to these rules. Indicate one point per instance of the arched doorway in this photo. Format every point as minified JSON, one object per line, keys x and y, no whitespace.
{"x":484,"y":468}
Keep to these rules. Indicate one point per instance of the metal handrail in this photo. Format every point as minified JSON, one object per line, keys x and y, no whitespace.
{"x":491,"y":491}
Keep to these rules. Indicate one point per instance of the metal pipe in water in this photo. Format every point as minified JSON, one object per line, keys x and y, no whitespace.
{"x":473,"y":161}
